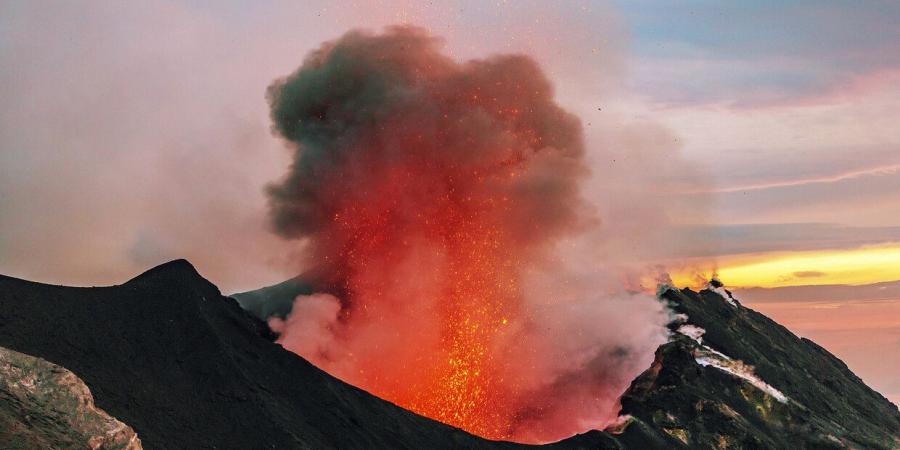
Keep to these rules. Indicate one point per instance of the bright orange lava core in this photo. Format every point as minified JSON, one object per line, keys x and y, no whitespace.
{"x":460,"y":380}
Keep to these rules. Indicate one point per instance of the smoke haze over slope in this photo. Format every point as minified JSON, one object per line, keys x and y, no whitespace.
{"x":134,"y":133}
{"x":433,"y":199}
{"x":179,"y":173}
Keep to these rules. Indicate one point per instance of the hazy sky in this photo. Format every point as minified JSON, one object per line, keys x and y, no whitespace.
{"x":764,"y":135}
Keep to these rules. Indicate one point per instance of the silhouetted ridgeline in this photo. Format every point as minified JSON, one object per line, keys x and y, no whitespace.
{"x":185,"y":367}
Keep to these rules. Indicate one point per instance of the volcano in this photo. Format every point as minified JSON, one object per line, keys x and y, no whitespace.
{"x":186,"y":367}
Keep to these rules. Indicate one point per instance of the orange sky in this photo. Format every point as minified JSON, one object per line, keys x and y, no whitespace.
{"x":854,"y":266}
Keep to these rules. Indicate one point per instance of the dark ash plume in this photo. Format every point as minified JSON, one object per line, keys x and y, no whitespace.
{"x":426,"y":190}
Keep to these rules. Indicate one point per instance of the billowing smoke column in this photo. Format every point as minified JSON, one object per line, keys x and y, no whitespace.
{"x":425,"y":190}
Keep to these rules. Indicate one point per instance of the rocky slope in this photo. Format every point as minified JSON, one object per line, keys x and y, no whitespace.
{"x":45,"y":406}
{"x":188,"y":368}
{"x":732,"y":378}
{"x":275,"y":300}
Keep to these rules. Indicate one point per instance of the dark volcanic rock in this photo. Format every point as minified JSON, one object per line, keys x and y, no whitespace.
{"x":188,"y":369}
{"x":680,"y":403}
{"x":275,"y":300}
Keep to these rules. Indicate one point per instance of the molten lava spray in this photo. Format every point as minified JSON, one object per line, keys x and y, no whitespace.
{"x":425,"y":190}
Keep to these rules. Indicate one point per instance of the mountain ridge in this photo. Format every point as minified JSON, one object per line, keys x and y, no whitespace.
{"x":691,"y":399}
{"x":186,"y":367}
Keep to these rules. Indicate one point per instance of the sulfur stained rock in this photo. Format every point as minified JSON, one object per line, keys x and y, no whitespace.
{"x":731,"y":378}
{"x":44,"y":406}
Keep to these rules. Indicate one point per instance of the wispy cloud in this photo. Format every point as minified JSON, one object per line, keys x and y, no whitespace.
{"x":875,"y":171}
{"x":741,"y":239}
{"x":809,"y":274}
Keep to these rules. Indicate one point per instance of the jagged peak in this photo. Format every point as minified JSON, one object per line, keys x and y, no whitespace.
{"x":717,"y":287}
{"x":178,"y":268}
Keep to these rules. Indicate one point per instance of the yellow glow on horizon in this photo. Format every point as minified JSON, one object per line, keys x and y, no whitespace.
{"x":863,"y":265}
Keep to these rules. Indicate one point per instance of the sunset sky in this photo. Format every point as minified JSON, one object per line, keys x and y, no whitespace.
{"x":760,"y":140}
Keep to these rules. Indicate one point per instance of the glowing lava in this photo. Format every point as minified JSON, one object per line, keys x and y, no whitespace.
{"x":458,"y":242}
